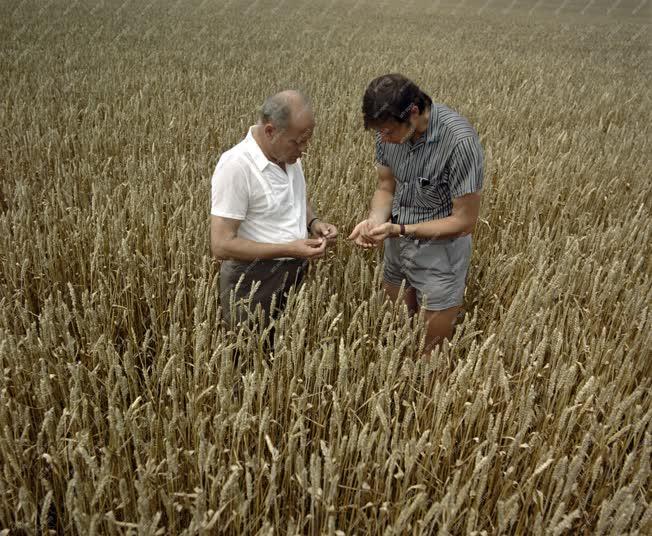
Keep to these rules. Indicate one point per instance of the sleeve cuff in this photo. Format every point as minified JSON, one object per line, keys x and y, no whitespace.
{"x":465,"y":191}
{"x":222,"y":214}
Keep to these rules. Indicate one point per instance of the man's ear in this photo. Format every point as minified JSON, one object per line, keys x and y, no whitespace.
{"x":269,"y":130}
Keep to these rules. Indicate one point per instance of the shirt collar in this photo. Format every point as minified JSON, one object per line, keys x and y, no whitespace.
{"x":255,"y":151}
{"x":432,"y":134}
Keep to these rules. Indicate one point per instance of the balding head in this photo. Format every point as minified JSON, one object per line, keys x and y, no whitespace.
{"x":285,"y":108}
{"x":285,"y":126}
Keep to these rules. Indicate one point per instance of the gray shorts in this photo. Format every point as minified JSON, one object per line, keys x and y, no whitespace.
{"x":436,"y":269}
{"x":276,"y":277}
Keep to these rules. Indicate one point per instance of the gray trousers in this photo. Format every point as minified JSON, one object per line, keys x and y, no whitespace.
{"x":276,"y":277}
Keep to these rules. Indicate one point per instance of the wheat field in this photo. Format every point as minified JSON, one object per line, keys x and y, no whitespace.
{"x":123,"y":409}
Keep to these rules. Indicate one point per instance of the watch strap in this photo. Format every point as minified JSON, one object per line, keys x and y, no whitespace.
{"x":310,"y":224}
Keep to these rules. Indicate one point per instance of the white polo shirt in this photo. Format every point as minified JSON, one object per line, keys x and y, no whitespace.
{"x":270,"y":202}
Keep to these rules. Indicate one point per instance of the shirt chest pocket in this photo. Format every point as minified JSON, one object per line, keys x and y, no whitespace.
{"x":429,"y":192}
{"x":269,"y":197}
{"x":430,"y":184}
{"x":257,"y":202}
{"x":279,"y":194}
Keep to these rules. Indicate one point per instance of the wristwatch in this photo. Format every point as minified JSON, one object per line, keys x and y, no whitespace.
{"x":310,"y":224}
{"x":402,"y":233}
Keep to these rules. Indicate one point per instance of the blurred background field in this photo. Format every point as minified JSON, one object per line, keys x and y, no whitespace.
{"x":122,"y":410}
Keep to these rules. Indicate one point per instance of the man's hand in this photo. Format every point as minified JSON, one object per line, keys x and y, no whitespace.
{"x":310,"y":248}
{"x":325,"y":230}
{"x":361,"y":234}
{"x":384,"y":230}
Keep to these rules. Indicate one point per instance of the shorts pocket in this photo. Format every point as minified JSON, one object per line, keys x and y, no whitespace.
{"x":431,"y":256}
{"x":392,"y":261}
{"x":458,"y":252}
{"x":232,"y":271}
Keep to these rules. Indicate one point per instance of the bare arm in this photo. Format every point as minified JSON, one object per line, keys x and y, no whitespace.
{"x":381,"y":208}
{"x":226,"y":244}
{"x":309,"y":212}
{"x":461,"y":222}
{"x":381,"y":203}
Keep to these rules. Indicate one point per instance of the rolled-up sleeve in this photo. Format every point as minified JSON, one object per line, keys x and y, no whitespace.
{"x":229,"y":190}
{"x":466,"y":167}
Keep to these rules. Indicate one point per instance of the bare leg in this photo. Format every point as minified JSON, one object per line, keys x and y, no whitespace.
{"x":439,"y":327}
{"x":409,"y":296}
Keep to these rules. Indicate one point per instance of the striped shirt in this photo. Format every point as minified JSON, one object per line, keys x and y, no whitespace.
{"x":444,"y":163}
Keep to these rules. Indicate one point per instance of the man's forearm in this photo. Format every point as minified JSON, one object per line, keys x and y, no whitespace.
{"x":310,"y":215}
{"x":241,"y":249}
{"x":309,"y":212}
{"x":449,"y":227}
{"x":381,"y":206}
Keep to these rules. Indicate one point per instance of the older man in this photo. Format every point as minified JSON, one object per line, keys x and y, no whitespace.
{"x":260,"y":215}
{"x":430,"y":167}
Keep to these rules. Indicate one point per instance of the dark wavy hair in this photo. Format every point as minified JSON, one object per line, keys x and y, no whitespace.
{"x":389,"y":98}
